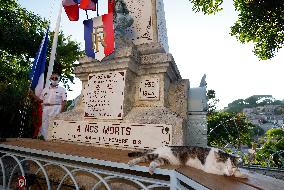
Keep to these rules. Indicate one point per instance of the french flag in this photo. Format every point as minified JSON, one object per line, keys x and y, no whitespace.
{"x":88,"y":4}
{"x":37,"y":72}
{"x":71,"y":8}
{"x":105,"y":32}
{"x":37,"y":82}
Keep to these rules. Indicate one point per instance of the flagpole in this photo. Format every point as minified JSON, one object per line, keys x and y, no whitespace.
{"x":54,"y":46}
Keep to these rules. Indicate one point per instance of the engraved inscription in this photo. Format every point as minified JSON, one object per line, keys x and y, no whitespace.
{"x":149,"y":89}
{"x":124,"y":135}
{"x":104,"y":95}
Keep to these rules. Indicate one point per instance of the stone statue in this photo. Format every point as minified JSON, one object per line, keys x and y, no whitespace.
{"x":203,"y":82}
{"x":122,"y":21}
{"x":204,"y":98}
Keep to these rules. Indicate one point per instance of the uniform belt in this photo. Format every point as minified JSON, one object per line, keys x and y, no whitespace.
{"x":51,"y":104}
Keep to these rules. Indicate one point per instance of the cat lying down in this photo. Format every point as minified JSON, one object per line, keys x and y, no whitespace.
{"x":210,"y":160}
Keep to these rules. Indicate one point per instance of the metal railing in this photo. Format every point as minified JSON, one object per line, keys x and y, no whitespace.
{"x":50,"y":170}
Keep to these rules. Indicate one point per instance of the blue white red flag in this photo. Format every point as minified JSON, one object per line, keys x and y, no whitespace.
{"x":99,"y":36}
{"x":37,"y":72}
{"x":88,"y":4}
{"x":37,"y":85}
{"x":71,"y":8}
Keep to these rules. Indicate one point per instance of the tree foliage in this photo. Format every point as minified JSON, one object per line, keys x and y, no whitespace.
{"x":21,"y":34}
{"x":229,"y":129}
{"x":21,"y":30}
{"x":259,"y":21}
{"x":212,"y":101}
{"x":67,"y":52}
{"x":271,"y":152}
{"x":252,"y":102}
{"x":207,"y":6}
{"x":13,"y":96}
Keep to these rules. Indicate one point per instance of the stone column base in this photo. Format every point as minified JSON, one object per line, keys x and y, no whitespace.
{"x":197,"y":129}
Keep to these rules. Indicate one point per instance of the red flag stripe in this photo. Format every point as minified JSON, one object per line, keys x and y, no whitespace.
{"x":108,"y":33}
{"x":72,"y":12}
{"x":87,"y":5}
{"x":110,"y":6}
{"x":37,"y":118}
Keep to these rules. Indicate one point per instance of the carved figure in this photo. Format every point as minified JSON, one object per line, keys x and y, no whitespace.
{"x":122,"y":21}
{"x":204,"y":98}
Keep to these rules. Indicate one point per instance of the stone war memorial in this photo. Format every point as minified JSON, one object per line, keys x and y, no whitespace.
{"x":135,"y":98}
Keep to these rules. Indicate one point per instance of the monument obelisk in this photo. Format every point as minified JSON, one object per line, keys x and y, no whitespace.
{"x":133,"y":99}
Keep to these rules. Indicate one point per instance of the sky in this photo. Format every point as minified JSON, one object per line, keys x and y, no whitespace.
{"x":200,"y":44}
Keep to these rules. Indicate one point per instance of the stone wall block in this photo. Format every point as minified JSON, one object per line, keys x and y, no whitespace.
{"x":197,"y":130}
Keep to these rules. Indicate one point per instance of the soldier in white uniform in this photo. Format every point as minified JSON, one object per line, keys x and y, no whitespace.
{"x":53,"y":101}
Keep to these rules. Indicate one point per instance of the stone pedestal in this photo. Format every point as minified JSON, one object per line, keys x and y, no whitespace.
{"x":135,"y":100}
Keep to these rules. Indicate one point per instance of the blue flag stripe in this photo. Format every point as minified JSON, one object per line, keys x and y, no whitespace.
{"x":88,"y":30}
{"x":39,"y":62}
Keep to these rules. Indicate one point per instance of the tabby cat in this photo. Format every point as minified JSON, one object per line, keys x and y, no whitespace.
{"x":210,"y":160}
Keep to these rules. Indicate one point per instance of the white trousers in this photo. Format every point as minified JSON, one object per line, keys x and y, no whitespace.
{"x":46,"y":113}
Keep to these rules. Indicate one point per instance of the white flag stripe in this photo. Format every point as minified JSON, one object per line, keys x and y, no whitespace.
{"x":40,"y":85}
{"x":97,"y":22}
{"x":40,"y":51}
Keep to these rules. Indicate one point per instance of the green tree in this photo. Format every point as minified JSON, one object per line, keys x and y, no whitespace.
{"x":67,"y":53}
{"x":226,"y":128}
{"x":13,"y":96}
{"x":259,"y":21}
{"x":21,"y":30}
{"x":229,"y":129}
{"x":251,"y":102}
{"x":271,"y":152}
{"x":236,"y":106}
{"x":20,"y":35}
{"x":212,"y":101}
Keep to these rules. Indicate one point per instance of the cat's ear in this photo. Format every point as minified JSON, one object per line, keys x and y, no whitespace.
{"x":238,"y":160}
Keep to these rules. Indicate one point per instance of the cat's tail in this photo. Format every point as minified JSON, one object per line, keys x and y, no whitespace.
{"x":136,"y":154}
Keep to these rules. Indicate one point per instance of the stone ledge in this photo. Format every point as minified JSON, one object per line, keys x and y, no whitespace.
{"x":150,"y":48}
{"x":156,"y":58}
